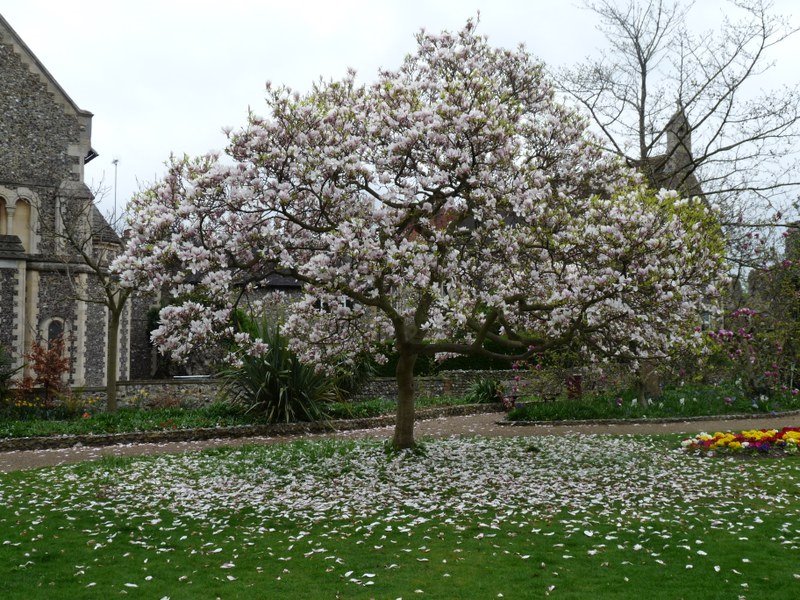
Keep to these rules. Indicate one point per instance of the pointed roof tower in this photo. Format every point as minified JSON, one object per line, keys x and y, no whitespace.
{"x":679,"y":134}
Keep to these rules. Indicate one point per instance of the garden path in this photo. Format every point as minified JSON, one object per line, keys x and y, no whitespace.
{"x":480,"y":424}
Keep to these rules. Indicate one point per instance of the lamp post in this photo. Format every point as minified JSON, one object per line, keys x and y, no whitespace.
{"x":115,"y":162}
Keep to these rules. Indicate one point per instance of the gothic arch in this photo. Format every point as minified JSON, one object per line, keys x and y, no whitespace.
{"x":22,"y":223}
{"x":19,"y":215}
{"x":51,"y":327}
{"x":8,"y":201}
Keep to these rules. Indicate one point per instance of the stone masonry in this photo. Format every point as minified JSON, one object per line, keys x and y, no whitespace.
{"x":45,"y":141}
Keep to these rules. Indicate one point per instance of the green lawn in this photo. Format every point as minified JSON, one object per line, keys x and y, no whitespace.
{"x":683,"y":401}
{"x":686,"y":401}
{"x":19,"y":423}
{"x":23,"y":423}
{"x":572,"y":517}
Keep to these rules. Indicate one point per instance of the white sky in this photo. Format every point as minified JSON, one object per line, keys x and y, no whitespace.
{"x":166,"y":76}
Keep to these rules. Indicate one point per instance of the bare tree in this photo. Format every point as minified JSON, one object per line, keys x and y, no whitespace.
{"x":687,"y":108}
{"x":86,"y":242}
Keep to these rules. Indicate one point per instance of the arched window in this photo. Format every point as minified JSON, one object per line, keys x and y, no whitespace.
{"x":22,"y":223}
{"x":55,"y":331}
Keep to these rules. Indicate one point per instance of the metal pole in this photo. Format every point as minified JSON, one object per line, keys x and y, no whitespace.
{"x":115,"y":162}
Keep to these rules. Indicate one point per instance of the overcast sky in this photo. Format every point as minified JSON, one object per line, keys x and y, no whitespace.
{"x":166,"y":76}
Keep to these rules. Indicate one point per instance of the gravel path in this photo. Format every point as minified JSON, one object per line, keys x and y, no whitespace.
{"x":481,"y":424}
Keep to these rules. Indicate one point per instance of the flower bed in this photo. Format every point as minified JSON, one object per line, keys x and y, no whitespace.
{"x":755,"y":441}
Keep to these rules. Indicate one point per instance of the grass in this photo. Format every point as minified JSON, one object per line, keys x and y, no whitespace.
{"x":22,"y":424}
{"x":686,"y":401}
{"x":19,"y":423}
{"x":614,"y":517}
{"x":382,"y":406}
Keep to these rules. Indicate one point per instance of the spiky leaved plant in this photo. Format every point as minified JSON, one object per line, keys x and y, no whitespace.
{"x":275,"y":383}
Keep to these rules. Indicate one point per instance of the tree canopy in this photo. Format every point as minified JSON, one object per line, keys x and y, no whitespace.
{"x":740,"y":131}
{"x":451,"y":202}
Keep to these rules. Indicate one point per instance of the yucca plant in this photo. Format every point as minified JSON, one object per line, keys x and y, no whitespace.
{"x":276,"y":384}
{"x":485,"y":391}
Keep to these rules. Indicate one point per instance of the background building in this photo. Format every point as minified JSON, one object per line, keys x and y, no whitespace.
{"x":46,"y":290}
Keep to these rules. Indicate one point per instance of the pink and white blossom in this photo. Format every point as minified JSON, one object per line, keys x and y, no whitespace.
{"x":448,"y":201}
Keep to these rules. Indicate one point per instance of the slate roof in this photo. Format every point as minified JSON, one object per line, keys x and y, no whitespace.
{"x":280,"y":281}
{"x":11,"y":247}
{"x":101,"y":231}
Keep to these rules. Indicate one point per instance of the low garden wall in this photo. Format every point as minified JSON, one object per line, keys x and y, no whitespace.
{"x":194,"y":392}
{"x":200,"y":391}
{"x":189,"y":392}
{"x":447,"y":383}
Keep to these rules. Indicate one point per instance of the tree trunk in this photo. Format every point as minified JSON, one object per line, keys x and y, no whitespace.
{"x":649,"y":382}
{"x":112,"y":362}
{"x":404,"y":425}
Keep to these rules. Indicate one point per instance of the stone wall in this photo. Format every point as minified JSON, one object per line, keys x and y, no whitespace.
{"x":96,"y":336}
{"x":192,"y":392}
{"x":199,"y":391}
{"x":448,"y":383}
{"x":9,"y":293}
{"x":27,"y":106}
{"x":157,"y":393}
{"x":142,"y":354}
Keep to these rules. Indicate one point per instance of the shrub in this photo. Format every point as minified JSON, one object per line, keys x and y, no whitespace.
{"x":77,"y":402}
{"x":275,"y":383}
{"x":50,"y":365}
{"x":485,"y":391}
{"x":758,"y":353}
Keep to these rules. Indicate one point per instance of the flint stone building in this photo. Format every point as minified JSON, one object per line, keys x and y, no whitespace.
{"x":45,"y":141}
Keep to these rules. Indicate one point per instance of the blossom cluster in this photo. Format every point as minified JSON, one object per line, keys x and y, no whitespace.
{"x":450,"y":201}
{"x":754,"y":440}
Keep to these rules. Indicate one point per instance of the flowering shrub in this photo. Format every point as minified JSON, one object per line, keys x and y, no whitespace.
{"x":75,"y":403}
{"x":756,"y":350}
{"x":764,"y":441}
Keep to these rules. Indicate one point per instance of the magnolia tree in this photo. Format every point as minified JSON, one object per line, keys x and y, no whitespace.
{"x":450,"y":203}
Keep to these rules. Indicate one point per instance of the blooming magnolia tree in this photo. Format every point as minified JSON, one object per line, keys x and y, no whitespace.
{"x":451,"y":202}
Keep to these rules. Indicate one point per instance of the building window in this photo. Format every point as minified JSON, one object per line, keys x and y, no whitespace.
{"x":55,"y":331}
{"x":22,"y":223}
